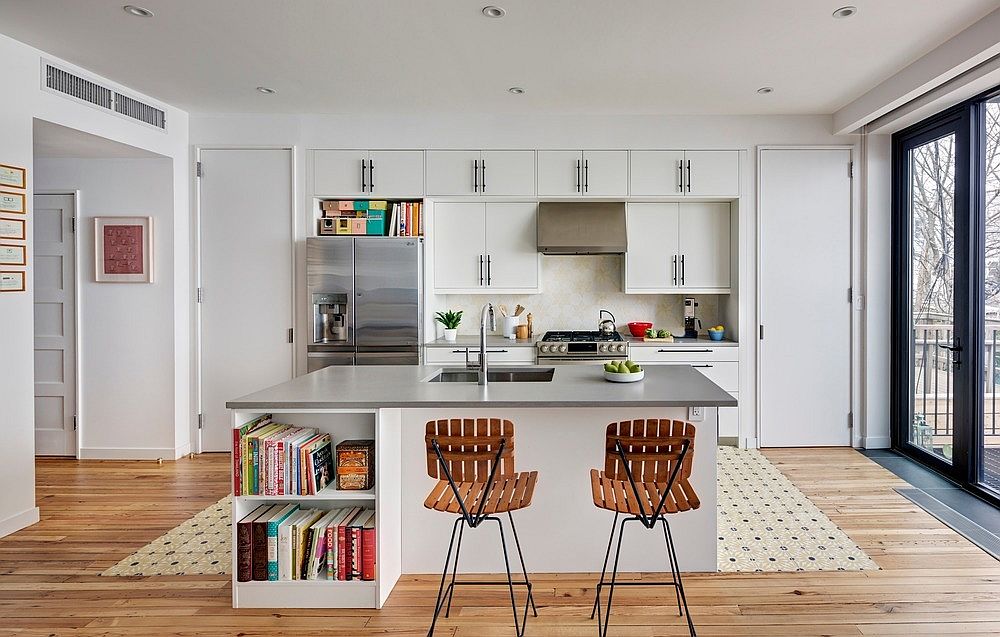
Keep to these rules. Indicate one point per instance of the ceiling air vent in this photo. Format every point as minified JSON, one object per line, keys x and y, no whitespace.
{"x":62,"y":81}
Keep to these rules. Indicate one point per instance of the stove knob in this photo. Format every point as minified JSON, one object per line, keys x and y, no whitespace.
{"x":620,"y":348}
{"x":562,"y":349}
{"x":543,"y":348}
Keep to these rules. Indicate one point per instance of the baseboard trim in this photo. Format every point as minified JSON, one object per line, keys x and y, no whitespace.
{"x":18,"y":521}
{"x":876,"y":442}
{"x":132,"y":453}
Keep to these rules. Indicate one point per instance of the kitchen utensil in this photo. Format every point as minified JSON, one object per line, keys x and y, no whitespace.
{"x":521,"y":332}
{"x":606,"y":326}
{"x":638,"y":328}
{"x":531,"y":328}
{"x":518,"y":310}
{"x":624,"y":378}
{"x":510,"y":324}
{"x":503,"y":310}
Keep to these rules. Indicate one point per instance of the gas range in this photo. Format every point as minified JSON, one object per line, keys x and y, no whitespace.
{"x":581,"y":346}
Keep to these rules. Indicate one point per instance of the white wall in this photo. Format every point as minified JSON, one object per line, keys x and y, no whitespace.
{"x":21,"y":78}
{"x":127,"y":337}
{"x":534,"y":131}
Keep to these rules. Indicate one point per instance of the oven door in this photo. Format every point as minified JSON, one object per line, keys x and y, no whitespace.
{"x":578,"y":361}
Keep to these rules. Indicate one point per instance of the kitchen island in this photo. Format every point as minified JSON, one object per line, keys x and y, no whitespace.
{"x":559,"y":431}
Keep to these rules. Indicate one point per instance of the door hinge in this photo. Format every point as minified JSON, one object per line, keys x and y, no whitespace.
{"x":850,"y":295}
{"x":761,"y":332}
{"x":201,"y":421}
{"x":850,"y":420}
{"x":197,"y":169}
{"x":74,"y":422}
{"x":850,"y":169}
{"x":291,"y":335}
{"x":72,"y":224}
{"x":201,"y":295}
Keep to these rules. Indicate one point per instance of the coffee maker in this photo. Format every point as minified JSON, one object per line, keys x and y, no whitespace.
{"x":329,"y":318}
{"x":691,"y":320}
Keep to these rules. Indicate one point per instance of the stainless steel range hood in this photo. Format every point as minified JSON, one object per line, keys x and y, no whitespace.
{"x":581,"y":228}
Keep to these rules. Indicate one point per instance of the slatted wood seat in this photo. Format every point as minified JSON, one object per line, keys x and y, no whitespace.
{"x":653,"y":447}
{"x":469,"y":447}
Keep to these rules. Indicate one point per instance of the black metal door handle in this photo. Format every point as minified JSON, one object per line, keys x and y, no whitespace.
{"x":956,"y":352}
{"x":950,"y":348}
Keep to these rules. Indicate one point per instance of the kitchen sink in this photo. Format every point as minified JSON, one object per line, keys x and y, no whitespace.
{"x":495,"y":375}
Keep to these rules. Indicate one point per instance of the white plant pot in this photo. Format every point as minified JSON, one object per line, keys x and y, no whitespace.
{"x":451,"y":335}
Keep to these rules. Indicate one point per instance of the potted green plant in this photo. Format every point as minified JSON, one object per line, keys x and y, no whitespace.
{"x":451,"y":321}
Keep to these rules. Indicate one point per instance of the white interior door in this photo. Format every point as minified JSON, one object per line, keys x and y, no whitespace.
{"x":55,"y":326}
{"x":245,"y":210}
{"x":805,"y":274}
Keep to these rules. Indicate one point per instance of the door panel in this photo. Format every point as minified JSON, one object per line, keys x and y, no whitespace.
{"x":655,"y":173}
{"x":508,"y":173}
{"x":55,"y":325}
{"x":605,"y":173}
{"x":652,"y":246}
{"x":452,"y":172}
{"x":705,"y":245}
{"x":246,"y":273}
{"x":459,"y":245}
{"x":714,"y":173}
{"x":805,"y":273}
{"x":386,"y":292}
{"x":511,"y":246}
{"x":987,"y":441}
{"x":396,"y":173}
{"x":338,"y":172}
{"x":559,"y":173}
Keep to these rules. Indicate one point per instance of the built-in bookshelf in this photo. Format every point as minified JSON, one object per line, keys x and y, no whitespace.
{"x":383,"y":498}
{"x":391,"y":218}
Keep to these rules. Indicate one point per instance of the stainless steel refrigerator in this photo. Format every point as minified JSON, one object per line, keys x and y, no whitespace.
{"x":366,"y":299}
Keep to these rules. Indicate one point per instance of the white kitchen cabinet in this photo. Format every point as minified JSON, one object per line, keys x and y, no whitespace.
{"x":705,"y":251}
{"x":363,"y":173}
{"x":678,"y":248}
{"x":502,"y":173}
{"x":656,"y":173}
{"x":652,"y":232}
{"x":482,"y":248}
{"x":514,"y":355}
{"x":588,"y":173}
{"x":712,"y":173}
{"x":729,"y":419}
{"x":459,"y":236}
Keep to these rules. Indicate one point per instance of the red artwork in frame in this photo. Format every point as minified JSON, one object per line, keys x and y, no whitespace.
{"x":124,"y":249}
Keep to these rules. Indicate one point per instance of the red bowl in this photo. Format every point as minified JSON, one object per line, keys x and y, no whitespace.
{"x":638,"y":328}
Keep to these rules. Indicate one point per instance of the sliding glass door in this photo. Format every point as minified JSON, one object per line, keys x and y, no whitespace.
{"x":987,"y":473}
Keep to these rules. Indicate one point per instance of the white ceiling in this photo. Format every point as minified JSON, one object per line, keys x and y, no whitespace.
{"x":52,"y":141}
{"x":571,"y":56}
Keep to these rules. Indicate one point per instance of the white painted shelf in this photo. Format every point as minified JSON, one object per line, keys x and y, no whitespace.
{"x":330,"y":493}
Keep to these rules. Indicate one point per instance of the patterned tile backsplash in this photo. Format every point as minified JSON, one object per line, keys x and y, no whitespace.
{"x":575,"y":289}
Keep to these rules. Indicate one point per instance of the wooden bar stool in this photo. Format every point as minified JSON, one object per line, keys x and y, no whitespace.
{"x":647,"y":468}
{"x":473,"y":461}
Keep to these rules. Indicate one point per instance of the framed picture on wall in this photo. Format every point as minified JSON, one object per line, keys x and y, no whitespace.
{"x":12,"y":202}
{"x":124,"y":249}
{"x":12,"y":229}
{"x":13,"y":254}
{"x":12,"y":281}
{"x":13,"y":176}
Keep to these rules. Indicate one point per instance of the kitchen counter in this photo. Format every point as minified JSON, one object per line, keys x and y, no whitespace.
{"x":406,"y":386}
{"x":472,"y":341}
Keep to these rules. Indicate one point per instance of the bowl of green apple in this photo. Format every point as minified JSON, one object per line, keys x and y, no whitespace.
{"x":623,"y":372}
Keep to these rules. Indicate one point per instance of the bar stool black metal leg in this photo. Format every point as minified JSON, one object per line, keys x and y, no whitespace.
{"x":611,"y":588}
{"x":604,"y":569}
{"x":674,"y":570}
{"x":520,"y":556}
{"x":454,"y":570}
{"x":680,"y":584}
{"x":518,"y":626}
{"x":444,"y":575}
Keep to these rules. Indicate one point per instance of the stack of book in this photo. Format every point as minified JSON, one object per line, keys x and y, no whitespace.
{"x":406,"y":220}
{"x":270,"y":458}
{"x":283,"y":542}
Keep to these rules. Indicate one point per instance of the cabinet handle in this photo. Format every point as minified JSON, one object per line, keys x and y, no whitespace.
{"x":682,"y":269}
{"x":363,"y":168}
{"x":480,"y":269}
{"x":675,"y":269}
{"x":489,"y":351}
{"x":475,"y":175}
{"x":371,"y":175}
{"x":578,"y":178}
{"x":489,"y":269}
{"x":703,"y":366}
{"x":680,"y":176}
{"x":688,"y":351}
{"x":586,"y":175}
{"x":689,"y":176}
{"x":484,"y":175}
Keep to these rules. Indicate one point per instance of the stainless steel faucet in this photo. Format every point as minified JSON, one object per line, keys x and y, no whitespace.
{"x":487,"y":314}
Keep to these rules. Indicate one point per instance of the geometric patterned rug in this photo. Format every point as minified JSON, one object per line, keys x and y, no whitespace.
{"x":765,"y":525}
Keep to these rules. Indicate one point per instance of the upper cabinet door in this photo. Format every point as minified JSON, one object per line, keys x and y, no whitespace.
{"x":713,"y":173}
{"x":459,"y":236}
{"x":651,"y":229}
{"x":338,"y":173}
{"x":605,"y":173}
{"x":507,"y":173}
{"x":560,"y":173}
{"x":453,"y":173}
{"x":656,"y":173}
{"x":705,"y":245}
{"x":396,"y":173}
{"x":511,"y":247}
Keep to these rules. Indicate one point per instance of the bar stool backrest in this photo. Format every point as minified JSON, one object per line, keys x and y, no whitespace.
{"x":653,"y":448}
{"x":469,"y":446}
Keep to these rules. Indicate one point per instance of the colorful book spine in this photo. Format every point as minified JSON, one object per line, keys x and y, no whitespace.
{"x":272,"y":540}
{"x":368,"y":554}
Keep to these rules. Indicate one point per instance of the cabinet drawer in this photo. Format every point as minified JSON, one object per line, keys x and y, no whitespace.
{"x":726,"y":374}
{"x":682,"y":354}
{"x":456,"y":355}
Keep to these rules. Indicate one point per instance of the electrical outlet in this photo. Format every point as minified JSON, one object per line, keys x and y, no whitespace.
{"x":696,"y":414}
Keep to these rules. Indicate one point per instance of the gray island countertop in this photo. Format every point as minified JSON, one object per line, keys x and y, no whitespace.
{"x":406,"y":386}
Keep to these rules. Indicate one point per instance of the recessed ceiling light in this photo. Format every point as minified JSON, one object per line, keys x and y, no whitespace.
{"x":494,"y":11}
{"x":764,"y":90}
{"x":138,"y":12}
{"x":845,"y":12}
{"x":516,"y":90}
{"x":265,"y":90}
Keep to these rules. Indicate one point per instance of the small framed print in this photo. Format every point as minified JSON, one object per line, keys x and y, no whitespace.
{"x":123,"y":249}
{"x":13,"y":254}
{"x":13,"y":176}
{"x":12,"y":202}
{"x":11,"y":281}
{"x":12,"y":229}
